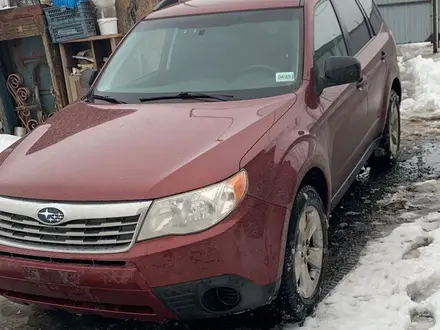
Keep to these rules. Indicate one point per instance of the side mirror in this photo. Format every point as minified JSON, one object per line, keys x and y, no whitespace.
{"x":87,"y":78}
{"x":339,"y":70}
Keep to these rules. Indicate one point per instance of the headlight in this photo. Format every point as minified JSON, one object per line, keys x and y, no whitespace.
{"x":194,"y":211}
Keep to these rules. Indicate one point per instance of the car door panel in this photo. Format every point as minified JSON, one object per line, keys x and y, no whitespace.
{"x":376,"y":72}
{"x":366,"y":47}
{"x":376,"y":55}
{"x":345,"y":109}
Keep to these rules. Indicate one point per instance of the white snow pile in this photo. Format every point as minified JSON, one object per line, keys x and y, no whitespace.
{"x":421,"y":85}
{"x":397,"y":282}
{"x":6,"y":140}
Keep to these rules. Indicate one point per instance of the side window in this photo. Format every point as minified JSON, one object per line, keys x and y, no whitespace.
{"x":328,"y":38}
{"x":353,"y":19}
{"x":373,"y":14}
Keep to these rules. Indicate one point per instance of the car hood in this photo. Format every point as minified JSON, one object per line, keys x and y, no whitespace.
{"x":90,"y":152}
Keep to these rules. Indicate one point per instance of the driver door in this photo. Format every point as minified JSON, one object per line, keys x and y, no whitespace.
{"x":344,"y":107}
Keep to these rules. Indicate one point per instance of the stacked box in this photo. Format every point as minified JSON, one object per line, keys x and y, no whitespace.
{"x":68,"y":24}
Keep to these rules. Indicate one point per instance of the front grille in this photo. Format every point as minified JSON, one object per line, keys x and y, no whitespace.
{"x":88,"y":235}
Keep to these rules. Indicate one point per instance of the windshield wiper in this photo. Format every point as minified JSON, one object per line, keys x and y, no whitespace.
{"x":189,"y":96}
{"x":105,"y":98}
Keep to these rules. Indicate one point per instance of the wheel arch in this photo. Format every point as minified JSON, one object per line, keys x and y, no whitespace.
{"x":316,"y":178}
{"x":395,"y":85}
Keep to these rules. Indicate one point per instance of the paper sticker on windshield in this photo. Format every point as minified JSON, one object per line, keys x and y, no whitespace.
{"x":284,"y":76}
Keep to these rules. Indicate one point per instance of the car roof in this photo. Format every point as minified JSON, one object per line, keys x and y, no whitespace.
{"x":196,"y":7}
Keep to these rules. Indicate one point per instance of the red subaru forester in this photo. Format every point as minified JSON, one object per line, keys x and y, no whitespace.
{"x":196,"y":176}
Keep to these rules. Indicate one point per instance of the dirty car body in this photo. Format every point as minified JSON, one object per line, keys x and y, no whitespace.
{"x":167,"y":193}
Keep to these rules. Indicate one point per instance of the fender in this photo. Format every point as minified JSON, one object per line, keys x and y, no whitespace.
{"x":394,"y":73}
{"x":276,"y":173}
{"x":317,"y":159}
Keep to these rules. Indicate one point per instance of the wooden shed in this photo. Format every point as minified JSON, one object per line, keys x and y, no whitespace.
{"x":27,"y":52}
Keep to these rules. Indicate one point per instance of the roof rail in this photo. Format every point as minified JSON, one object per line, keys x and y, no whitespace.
{"x":164,"y":3}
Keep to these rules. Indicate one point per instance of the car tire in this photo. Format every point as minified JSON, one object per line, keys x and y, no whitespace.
{"x":296,"y":298}
{"x":387,"y":154}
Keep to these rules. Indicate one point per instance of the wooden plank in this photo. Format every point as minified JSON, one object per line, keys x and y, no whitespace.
{"x":7,"y":113}
{"x":59,"y":74}
{"x":21,"y":28}
{"x":114,"y":42}
{"x":126,"y":14}
{"x":57,"y":83}
{"x":66,"y":71}
{"x":131,"y":11}
{"x":21,"y":22}
{"x":14,"y":14}
{"x":94,"y":38}
{"x":92,"y":48}
{"x":77,"y":90}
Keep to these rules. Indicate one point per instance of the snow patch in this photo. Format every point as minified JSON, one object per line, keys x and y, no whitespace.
{"x":7,"y":140}
{"x":396,"y":284}
{"x":420,"y":78}
{"x":423,"y":77}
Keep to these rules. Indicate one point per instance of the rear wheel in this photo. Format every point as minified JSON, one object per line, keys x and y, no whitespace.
{"x":388,"y":152}
{"x":306,"y":250}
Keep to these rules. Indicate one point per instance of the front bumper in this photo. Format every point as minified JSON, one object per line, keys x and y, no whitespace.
{"x":161,"y":279}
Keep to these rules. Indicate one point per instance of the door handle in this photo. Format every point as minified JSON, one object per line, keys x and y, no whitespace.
{"x":361,"y":83}
{"x":383,"y":56}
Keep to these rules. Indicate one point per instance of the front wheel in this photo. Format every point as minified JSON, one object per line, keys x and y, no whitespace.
{"x":388,"y":152}
{"x":306,"y":249}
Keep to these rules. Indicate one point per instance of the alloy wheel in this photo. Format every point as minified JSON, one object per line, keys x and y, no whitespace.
{"x":393,"y":129}
{"x":309,"y":252}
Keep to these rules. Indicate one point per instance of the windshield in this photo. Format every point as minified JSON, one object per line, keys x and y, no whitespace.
{"x":245,"y":55}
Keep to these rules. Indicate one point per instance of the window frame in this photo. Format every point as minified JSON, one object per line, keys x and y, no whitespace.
{"x":347,"y":35}
{"x":375,"y":9}
{"x":378,"y":12}
{"x":343,"y":31}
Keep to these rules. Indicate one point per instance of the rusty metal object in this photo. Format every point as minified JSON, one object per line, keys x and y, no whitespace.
{"x":21,"y":95}
{"x":22,"y":22}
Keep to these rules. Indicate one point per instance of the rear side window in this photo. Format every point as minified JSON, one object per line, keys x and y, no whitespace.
{"x":373,"y":14}
{"x":353,"y":19}
{"x":328,"y":39}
